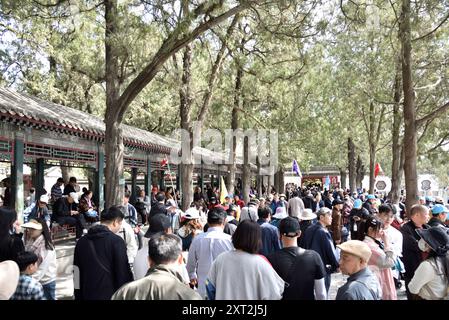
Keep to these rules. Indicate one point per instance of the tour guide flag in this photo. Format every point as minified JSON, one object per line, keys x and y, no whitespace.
{"x":223,"y":191}
{"x":377,"y":170}
{"x":295,"y":168}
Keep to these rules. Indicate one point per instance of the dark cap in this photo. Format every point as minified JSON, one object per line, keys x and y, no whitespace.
{"x":289,"y":227}
{"x":337,"y":201}
{"x":437,"y":238}
{"x":158,"y":223}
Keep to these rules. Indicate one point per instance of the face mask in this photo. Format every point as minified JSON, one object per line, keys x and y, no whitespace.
{"x":422,"y":245}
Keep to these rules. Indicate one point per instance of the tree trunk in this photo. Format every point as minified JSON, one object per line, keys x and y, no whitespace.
{"x":270,"y":183}
{"x":276,"y":181}
{"x":65,"y":171}
{"x":343,"y":178}
{"x":246,"y":170}
{"x":351,"y":165}
{"x":259,"y":178}
{"x":397,"y":147}
{"x":90,"y":174}
{"x":372,"y":148}
{"x":360,"y":173}
{"x":187,"y":191}
{"x":235,"y":125}
{"x":185,"y":98}
{"x":114,"y":152}
{"x":411,"y":178}
{"x":114,"y":148}
{"x":281,"y":188}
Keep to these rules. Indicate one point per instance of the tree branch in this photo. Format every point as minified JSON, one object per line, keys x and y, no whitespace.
{"x":440,"y":144}
{"x":171,"y":45}
{"x":423,"y":134}
{"x":215,"y":70}
{"x":431,"y":116}
{"x":435,"y":29}
{"x":379,"y":126}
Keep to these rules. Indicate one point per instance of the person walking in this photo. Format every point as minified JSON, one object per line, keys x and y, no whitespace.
{"x":302,"y":270}
{"x":318,"y":238}
{"x":101,"y":260}
{"x":362,"y":284}
{"x":206,"y":247}
{"x":28,"y":288}
{"x":243,"y":274}
{"x":38,"y":240}
{"x":382,"y":256}
{"x":164,"y":280}
{"x":430,"y":281}
{"x":412,"y":255}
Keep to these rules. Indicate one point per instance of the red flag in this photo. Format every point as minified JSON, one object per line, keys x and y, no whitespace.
{"x":164,"y":162}
{"x":377,"y":170}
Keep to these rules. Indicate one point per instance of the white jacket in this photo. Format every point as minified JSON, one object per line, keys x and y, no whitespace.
{"x":126,"y":232}
{"x":47,"y":269}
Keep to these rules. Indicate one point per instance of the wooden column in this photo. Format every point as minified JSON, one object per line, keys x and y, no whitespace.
{"x":17,"y":201}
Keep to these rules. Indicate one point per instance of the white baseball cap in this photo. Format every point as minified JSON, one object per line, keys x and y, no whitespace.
{"x":32,"y":224}
{"x":74,"y":196}
{"x":44,"y":198}
{"x":192,"y":213}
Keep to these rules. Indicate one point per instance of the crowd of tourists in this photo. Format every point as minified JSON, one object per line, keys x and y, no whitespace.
{"x":279,"y":246}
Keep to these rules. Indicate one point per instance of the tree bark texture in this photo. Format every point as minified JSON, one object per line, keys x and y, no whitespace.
{"x":410,"y":148}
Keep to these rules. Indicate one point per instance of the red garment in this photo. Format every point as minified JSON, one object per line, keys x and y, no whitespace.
{"x":396,"y":224}
{"x":240,"y":203}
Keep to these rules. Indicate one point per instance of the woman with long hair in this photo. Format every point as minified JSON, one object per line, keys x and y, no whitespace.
{"x":382,"y":256}
{"x":38,"y":240}
{"x":11,"y":243}
{"x":430,"y":281}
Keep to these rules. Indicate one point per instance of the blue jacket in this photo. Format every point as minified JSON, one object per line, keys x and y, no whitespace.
{"x":270,"y":238}
{"x":319,"y":239}
{"x":362,"y":285}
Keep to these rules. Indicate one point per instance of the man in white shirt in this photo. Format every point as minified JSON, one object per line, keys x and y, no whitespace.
{"x":206,"y":247}
{"x":295,"y":205}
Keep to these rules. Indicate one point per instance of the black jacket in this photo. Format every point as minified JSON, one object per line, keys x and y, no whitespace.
{"x":157,"y":208}
{"x":102,"y":263}
{"x":411,"y":254}
{"x":309,"y":203}
{"x":62,"y":208}
{"x":435,"y":222}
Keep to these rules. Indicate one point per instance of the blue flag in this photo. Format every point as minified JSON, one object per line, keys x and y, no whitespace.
{"x":295,"y":168}
{"x":328,"y":181}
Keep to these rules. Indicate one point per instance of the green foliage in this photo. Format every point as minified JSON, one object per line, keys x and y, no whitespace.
{"x":311,"y":69}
